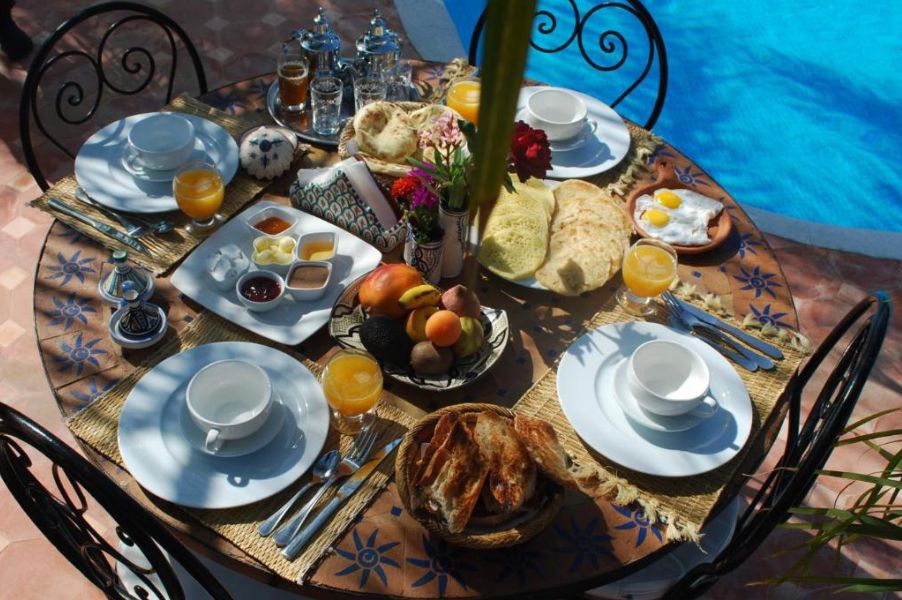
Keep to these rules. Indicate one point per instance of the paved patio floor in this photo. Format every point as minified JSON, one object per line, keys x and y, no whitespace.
{"x":236,"y":42}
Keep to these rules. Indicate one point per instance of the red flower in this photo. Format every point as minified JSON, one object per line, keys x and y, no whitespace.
{"x":403,"y":188}
{"x":530,"y":152}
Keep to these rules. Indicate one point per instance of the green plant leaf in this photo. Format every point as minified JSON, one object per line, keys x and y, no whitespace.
{"x":507,"y":30}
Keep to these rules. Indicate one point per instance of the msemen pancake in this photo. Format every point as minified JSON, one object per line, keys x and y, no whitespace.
{"x":516,"y":234}
{"x":589,"y":233}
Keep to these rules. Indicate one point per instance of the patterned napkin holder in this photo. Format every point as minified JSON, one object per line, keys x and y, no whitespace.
{"x":335,"y":200}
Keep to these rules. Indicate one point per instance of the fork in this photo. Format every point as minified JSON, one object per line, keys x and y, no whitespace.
{"x":349,"y":465}
{"x":132,"y":229}
{"x":692,"y":322}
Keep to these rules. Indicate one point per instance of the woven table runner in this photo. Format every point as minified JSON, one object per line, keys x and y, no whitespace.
{"x":167,"y":249}
{"x":97,"y":425}
{"x":683,"y":503}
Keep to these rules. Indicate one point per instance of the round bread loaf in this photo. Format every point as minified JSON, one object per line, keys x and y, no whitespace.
{"x":384,"y":130}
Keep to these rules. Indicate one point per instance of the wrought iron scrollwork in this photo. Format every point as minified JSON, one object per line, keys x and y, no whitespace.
{"x":136,"y":62}
{"x":61,"y":515}
{"x":605,"y":51}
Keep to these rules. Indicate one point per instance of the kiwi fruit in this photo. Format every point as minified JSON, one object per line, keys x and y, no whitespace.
{"x":428,"y":359}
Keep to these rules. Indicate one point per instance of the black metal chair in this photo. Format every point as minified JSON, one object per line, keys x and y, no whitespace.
{"x":808,"y":447}
{"x":613,"y":44}
{"x":61,"y":517}
{"x":76,"y":102}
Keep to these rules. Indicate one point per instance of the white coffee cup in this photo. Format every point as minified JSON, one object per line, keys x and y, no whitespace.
{"x":162,"y":141}
{"x":229,"y":400}
{"x":558,"y":112}
{"x":669,"y":379}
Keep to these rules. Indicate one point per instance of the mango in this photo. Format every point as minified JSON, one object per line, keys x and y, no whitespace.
{"x":416,"y":322}
{"x":380,"y":291}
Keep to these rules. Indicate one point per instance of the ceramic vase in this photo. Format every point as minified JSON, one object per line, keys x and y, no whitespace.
{"x":425,"y":258}
{"x":456,"y":224}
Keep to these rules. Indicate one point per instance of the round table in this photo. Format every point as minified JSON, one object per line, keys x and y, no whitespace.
{"x":386,"y":553}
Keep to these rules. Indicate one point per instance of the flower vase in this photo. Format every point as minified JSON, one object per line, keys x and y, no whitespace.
{"x":456,"y":224}
{"x":425,"y":258}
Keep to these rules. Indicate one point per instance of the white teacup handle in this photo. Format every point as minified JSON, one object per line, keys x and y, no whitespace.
{"x":213,"y":442}
{"x":593,"y":125}
{"x":706,"y":408}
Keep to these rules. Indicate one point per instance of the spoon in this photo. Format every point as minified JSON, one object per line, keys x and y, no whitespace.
{"x":322,"y":470}
{"x":162,"y":226}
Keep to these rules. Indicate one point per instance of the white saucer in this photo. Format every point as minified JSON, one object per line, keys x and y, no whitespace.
{"x":101,"y":171}
{"x":244,"y":446}
{"x":586,"y":384}
{"x":600,"y":151}
{"x":129,"y":162}
{"x":156,"y":452}
{"x":628,"y":403}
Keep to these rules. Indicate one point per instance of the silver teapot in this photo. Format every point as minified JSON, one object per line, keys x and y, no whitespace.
{"x":321,"y":46}
{"x":379,"y":49}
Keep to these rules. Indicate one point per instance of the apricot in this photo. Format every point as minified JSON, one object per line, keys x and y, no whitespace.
{"x":443,"y":328}
{"x":380,"y":291}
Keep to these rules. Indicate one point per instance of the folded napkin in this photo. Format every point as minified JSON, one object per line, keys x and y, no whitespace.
{"x":347,"y":195}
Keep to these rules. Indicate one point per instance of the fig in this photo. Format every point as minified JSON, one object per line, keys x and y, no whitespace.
{"x":461,"y":301}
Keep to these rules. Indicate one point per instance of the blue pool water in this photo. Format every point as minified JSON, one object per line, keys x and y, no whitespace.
{"x":795,"y":108}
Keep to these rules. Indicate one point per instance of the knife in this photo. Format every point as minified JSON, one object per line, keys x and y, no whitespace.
{"x":101,"y":227}
{"x":768,"y":349}
{"x":350,"y":486}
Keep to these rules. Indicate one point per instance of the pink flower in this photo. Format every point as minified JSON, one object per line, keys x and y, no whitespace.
{"x":443,"y":134}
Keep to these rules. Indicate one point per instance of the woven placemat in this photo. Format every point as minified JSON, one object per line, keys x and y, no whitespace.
{"x":164,"y":250}
{"x":683,"y":503}
{"x":97,"y":425}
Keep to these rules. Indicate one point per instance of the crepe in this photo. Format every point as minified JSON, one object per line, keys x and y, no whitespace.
{"x":383,"y":130}
{"x":588,"y":235}
{"x":516,"y":234}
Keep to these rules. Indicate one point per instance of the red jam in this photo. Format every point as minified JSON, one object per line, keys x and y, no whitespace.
{"x":261,"y":289}
{"x":272,"y":225}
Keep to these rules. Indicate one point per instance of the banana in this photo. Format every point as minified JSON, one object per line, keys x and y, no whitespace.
{"x":420,"y":295}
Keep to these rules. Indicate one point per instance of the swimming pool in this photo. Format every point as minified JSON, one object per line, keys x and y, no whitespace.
{"x":795,"y":109}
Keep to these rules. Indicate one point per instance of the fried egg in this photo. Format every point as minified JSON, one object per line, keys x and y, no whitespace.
{"x":676,"y":216}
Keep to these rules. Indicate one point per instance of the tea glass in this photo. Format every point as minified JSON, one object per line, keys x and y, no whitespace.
{"x":199,"y":191}
{"x":368,"y":88}
{"x":293,"y":70}
{"x":649,"y":267}
{"x":398,"y":80}
{"x":325,"y":99}
{"x":352,"y":384}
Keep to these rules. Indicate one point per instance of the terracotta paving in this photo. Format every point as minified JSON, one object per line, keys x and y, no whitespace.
{"x":237,"y":43}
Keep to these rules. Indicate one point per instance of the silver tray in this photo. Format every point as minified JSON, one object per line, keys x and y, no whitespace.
{"x":300,"y":122}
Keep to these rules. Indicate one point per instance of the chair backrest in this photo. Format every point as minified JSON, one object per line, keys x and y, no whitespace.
{"x":81,"y":73}
{"x":808,"y":447}
{"x":61,"y":518}
{"x":613,"y":46}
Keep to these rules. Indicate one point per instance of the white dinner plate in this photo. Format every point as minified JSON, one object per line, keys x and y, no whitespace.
{"x":100,"y":168}
{"x":292,"y":321}
{"x":602,"y":149}
{"x":586,"y":386}
{"x":155,"y":451}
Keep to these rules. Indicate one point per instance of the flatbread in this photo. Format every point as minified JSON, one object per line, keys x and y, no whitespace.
{"x":516,"y":233}
{"x":588,"y":236}
{"x":384,"y":130}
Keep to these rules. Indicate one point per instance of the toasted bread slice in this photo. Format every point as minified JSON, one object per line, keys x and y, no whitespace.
{"x":512,"y":473}
{"x":450,"y":484}
{"x":543,"y":446}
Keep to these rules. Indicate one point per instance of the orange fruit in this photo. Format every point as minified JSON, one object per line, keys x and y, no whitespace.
{"x":443,"y":328}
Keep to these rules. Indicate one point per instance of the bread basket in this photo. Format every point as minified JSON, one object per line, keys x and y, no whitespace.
{"x":347,"y":146}
{"x":521,"y":528}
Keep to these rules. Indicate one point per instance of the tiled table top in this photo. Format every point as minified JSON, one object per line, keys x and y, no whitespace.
{"x":824,"y":285}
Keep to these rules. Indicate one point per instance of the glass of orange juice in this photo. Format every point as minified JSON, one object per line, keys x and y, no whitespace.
{"x":463,"y":96}
{"x":352,"y":384}
{"x":198,"y":190}
{"x":649,"y":267}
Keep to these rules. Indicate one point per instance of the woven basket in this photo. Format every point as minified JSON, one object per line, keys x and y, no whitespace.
{"x":549,"y":496}
{"x":376,"y":165}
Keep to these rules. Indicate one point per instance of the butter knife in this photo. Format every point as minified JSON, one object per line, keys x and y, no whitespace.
{"x":101,"y":227}
{"x":350,"y":486}
{"x":768,"y":349}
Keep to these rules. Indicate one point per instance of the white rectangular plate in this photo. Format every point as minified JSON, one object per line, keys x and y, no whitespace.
{"x":291,"y":322}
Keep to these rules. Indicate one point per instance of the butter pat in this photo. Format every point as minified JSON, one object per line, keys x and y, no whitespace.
{"x":274,"y":251}
{"x":226,"y":265}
